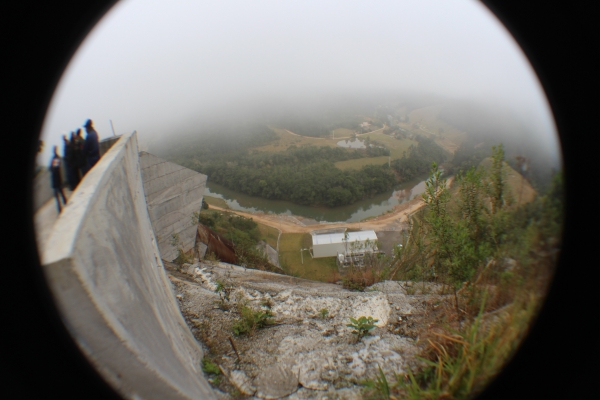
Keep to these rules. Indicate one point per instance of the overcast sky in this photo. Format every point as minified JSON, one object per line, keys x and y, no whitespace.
{"x":149,"y":65}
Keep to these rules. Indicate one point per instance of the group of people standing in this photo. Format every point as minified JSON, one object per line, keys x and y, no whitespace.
{"x":79,"y":156}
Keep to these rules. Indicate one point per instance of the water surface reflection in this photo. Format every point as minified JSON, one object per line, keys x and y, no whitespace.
{"x":351,"y":213}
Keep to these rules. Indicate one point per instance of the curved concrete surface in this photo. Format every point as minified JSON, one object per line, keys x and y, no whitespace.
{"x":104,"y":269}
{"x":173,"y":194}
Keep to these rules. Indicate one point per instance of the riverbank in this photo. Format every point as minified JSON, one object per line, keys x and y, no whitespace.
{"x":395,"y":219}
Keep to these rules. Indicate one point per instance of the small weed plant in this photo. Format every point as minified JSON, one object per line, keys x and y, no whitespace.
{"x":224,"y":290}
{"x":209,"y":367}
{"x":212,"y":257}
{"x":212,"y":370}
{"x":267,"y":302}
{"x":250,"y":320}
{"x":324,"y":313}
{"x":378,"y":388}
{"x":182,"y":257}
{"x":362,"y":326}
{"x":359,"y":278}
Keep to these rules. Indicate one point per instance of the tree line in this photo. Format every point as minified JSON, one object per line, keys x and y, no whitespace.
{"x":419,"y":158}
{"x":305,"y":175}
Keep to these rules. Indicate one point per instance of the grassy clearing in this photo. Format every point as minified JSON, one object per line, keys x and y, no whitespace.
{"x":268,"y":234}
{"x":361,"y":162}
{"x":318,"y":269}
{"x":451,"y":141}
{"x":216,"y":201}
{"x":397,"y":147}
{"x":286,"y":140}
{"x":343,"y":132}
{"x":445,"y":134}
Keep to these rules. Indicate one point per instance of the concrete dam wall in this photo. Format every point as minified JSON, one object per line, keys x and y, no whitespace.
{"x":103,"y":265}
{"x":173,"y":194}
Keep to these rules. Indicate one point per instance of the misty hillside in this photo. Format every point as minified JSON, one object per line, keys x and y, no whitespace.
{"x":459,"y":127}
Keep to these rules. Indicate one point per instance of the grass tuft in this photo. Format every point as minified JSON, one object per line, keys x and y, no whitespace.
{"x":250,"y":320}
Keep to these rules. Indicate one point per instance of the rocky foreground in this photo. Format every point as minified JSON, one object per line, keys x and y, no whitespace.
{"x":306,"y":351}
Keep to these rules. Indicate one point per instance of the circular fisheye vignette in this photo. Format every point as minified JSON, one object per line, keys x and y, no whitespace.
{"x":497,"y":205}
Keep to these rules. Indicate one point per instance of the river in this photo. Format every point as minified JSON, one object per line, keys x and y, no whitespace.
{"x":356,"y":212}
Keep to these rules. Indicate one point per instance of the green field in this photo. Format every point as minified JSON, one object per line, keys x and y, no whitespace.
{"x":215,"y":201}
{"x":446,"y":135}
{"x":361,"y":162}
{"x":340,"y":133}
{"x":397,"y":147}
{"x":268,"y":234}
{"x":286,"y":140}
{"x":318,"y":269}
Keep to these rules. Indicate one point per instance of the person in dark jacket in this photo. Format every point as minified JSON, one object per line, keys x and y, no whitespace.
{"x":79,"y":156}
{"x":56,"y":179}
{"x":74,"y":164}
{"x":68,"y":162}
{"x":91,"y":147}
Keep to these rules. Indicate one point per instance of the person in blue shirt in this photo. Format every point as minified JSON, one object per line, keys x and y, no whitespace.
{"x":91,"y":148}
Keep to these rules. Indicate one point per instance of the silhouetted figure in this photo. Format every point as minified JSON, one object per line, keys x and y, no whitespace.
{"x":74,"y":162}
{"x":56,"y":179}
{"x":91,"y":147}
{"x":68,"y":162}
{"x":79,"y":156}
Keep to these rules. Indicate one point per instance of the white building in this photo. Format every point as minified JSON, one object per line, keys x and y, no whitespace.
{"x":332,"y":244}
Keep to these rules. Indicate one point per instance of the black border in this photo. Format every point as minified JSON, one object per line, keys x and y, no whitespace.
{"x":39,"y":358}
{"x":559,"y":359}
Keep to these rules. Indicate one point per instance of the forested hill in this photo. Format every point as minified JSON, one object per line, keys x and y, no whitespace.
{"x":419,"y":159}
{"x":305,"y":175}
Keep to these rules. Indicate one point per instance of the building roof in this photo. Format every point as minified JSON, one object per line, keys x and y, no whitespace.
{"x":330,"y":238}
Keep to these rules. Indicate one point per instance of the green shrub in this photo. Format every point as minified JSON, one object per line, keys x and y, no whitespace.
{"x":224,"y":290}
{"x":250,"y":320}
{"x":181,"y":258}
{"x":362,"y":326}
{"x":209,"y":367}
{"x":324,"y":313}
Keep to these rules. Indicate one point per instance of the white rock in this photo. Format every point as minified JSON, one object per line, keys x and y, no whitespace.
{"x":275,"y":382}
{"x":242,"y":382}
{"x":357,"y":365}
{"x":310,"y":374}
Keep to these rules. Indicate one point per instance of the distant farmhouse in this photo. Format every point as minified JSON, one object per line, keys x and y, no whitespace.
{"x":348,"y":248}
